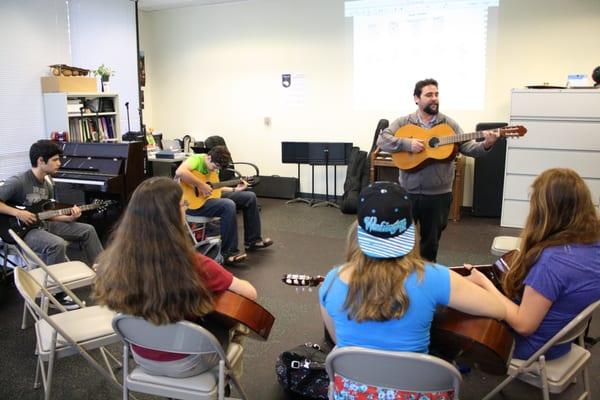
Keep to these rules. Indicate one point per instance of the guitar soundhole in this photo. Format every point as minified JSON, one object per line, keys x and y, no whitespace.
{"x":434,"y":142}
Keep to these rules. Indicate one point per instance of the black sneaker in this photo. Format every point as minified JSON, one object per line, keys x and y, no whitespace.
{"x":66,"y":301}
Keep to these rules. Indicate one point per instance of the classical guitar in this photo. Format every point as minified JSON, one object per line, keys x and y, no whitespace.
{"x":441,"y":143}
{"x":231,"y":308}
{"x":482,"y":342}
{"x":42,"y":210}
{"x":196,"y":199}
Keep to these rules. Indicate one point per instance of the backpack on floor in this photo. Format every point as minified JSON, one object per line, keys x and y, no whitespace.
{"x":301,"y":370}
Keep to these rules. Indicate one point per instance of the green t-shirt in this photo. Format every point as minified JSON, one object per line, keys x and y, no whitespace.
{"x":197,"y":162}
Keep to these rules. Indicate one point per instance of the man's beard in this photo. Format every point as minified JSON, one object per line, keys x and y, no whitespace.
{"x":429,"y":110}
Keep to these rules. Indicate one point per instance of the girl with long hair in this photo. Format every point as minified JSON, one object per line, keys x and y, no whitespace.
{"x":556,"y":273}
{"x":150,"y":269}
{"x":385,"y":295}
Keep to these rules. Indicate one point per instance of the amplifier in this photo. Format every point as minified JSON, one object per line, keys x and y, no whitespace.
{"x":279,"y":187}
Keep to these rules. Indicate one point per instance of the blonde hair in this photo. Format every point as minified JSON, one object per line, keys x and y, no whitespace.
{"x":376,"y":286}
{"x":561,"y":212}
{"x":148,"y":268}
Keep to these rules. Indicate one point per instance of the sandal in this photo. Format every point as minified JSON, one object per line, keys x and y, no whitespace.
{"x":235,"y":258}
{"x":261,"y":244}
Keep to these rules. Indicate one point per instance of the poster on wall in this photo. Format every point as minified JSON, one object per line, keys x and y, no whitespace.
{"x":293,"y":89}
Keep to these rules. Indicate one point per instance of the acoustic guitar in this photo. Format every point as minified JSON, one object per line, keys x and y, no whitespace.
{"x":43,"y":211}
{"x":196,"y":199}
{"x":231,"y":308}
{"x":481,"y":342}
{"x":441,"y":144}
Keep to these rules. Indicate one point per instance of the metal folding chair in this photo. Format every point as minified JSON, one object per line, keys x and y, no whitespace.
{"x":554,"y":376}
{"x":180,"y":337}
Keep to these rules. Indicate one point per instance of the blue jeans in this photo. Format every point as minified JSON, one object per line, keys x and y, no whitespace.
{"x":225,"y":208}
{"x":51,"y":243}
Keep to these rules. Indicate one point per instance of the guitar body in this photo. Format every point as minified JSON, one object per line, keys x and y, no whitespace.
{"x":8,"y":222}
{"x":193,"y":196}
{"x":483,"y":342}
{"x":414,"y":161}
{"x":231,"y":308}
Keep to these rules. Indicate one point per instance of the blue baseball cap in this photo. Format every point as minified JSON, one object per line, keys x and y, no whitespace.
{"x":385,"y":224}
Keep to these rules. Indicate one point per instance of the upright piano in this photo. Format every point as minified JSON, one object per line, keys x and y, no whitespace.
{"x":101,"y":170}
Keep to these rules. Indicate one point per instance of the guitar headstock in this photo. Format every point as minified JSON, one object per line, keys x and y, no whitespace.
{"x":251,"y":180}
{"x":302,"y":280}
{"x":102,"y":205}
{"x":512,"y":131}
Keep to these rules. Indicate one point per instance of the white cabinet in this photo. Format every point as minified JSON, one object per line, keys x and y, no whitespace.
{"x":87,"y":117}
{"x":563,"y":130}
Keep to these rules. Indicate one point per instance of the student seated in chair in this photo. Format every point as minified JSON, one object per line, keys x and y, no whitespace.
{"x":200,"y":169}
{"x":150,"y":270}
{"x":33,"y":188}
{"x":556,"y":273}
{"x":384,"y":297}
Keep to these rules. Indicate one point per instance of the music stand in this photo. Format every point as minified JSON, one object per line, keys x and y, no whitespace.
{"x":297,"y":153}
{"x":329,"y":154}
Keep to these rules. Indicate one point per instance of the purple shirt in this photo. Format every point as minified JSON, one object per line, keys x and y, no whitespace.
{"x":568,"y":276}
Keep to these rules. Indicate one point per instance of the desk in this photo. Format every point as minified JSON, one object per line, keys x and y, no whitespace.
{"x":164,"y":166}
{"x":382,"y":168}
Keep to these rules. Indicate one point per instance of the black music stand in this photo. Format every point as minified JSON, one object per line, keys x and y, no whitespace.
{"x":297,"y":153}
{"x":329,"y":154}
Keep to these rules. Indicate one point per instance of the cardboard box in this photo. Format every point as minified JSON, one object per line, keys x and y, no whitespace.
{"x":51,"y":84}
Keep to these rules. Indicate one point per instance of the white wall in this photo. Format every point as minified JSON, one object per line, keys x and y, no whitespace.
{"x":217,"y":70}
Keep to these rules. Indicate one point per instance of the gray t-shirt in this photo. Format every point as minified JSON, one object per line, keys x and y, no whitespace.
{"x":24,"y":190}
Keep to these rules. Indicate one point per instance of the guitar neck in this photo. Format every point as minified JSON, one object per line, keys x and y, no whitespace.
{"x":463,"y":137}
{"x":233,"y":182}
{"x":64,"y":211}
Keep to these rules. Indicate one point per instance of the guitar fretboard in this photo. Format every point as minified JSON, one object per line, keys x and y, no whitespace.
{"x":64,"y":211}
{"x":463,"y":137}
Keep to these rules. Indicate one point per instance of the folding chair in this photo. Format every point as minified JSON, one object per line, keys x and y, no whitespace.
{"x":9,"y":250}
{"x":198,"y":228}
{"x":405,"y":371}
{"x":72,"y":274}
{"x":180,"y":337}
{"x":66,"y":333}
{"x":553,"y":376}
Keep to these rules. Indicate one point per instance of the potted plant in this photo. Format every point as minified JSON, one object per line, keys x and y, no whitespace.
{"x":105,"y":73}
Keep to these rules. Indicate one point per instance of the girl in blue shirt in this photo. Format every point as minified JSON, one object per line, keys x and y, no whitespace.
{"x":385,"y":295}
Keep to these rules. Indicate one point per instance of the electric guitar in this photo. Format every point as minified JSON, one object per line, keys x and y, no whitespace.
{"x":441,"y":143}
{"x":42,"y":210}
{"x":196,"y":199}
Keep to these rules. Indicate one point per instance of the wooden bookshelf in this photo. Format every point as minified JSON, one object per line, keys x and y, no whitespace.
{"x":87,"y":117}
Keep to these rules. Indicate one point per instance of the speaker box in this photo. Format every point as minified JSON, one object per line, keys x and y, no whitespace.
{"x":278,"y":187}
{"x":488,"y":179}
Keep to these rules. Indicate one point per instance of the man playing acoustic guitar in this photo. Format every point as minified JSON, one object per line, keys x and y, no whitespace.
{"x":430,"y":186}
{"x":201,"y":169}
{"x":35,"y":185}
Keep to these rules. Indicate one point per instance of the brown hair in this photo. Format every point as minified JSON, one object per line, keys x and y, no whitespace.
{"x":220,"y":156}
{"x":376,"y":286}
{"x":561,"y":212}
{"x":148,"y":268}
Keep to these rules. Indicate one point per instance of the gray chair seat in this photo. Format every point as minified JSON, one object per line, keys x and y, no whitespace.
{"x":82,"y":325}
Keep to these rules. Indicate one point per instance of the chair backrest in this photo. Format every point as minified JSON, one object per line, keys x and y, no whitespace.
{"x":26,"y":285}
{"x":405,"y":371}
{"x":32,"y":260}
{"x":180,"y":337}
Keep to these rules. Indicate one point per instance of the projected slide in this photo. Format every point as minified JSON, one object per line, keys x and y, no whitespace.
{"x":398,"y":42}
